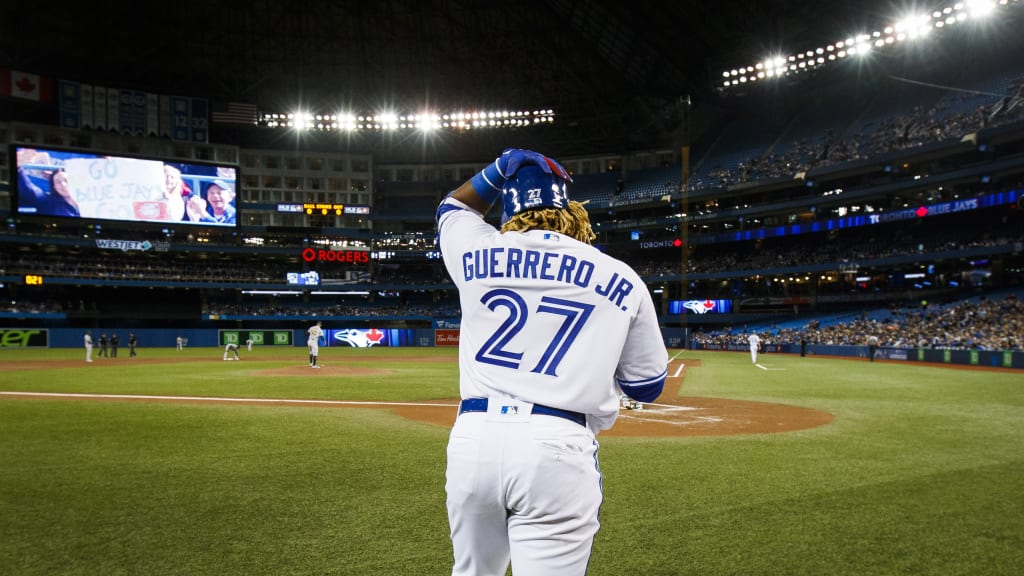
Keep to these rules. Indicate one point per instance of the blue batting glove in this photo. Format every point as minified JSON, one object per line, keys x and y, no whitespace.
{"x":516,"y":159}
{"x":489,"y":181}
{"x":557,"y":169}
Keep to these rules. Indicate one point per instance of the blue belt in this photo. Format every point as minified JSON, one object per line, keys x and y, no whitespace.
{"x":480,"y":405}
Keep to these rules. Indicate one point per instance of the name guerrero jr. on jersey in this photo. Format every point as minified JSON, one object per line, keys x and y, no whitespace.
{"x":500,"y":262}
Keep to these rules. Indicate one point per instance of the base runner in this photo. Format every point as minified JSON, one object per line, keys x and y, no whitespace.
{"x":553,"y":330}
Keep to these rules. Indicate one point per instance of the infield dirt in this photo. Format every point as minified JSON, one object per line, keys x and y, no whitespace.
{"x":673,"y":415}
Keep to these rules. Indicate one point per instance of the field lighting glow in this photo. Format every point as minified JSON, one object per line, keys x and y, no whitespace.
{"x":422,"y":121}
{"x":905,"y":28}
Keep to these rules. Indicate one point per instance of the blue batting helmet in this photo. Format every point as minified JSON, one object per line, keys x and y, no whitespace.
{"x":530,"y":188}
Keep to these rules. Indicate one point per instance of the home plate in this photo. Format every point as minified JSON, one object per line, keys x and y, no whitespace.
{"x":664,"y":414}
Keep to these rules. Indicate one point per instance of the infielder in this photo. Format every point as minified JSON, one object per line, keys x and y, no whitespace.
{"x":88,"y":346}
{"x":231,"y":348}
{"x":755,"y":343}
{"x":552,"y":330}
{"x":313,"y":342}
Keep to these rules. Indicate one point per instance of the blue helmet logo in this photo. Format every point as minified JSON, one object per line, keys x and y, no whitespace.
{"x":530,"y":188}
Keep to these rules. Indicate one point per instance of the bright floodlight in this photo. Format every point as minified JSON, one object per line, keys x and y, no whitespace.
{"x":427,"y":122}
{"x":300,"y":120}
{"x":910,"y":27}
{"x":980,"y":8}
{"x":423,"y":121}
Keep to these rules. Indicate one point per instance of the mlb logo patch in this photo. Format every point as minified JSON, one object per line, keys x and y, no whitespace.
{"x":508,"y":410}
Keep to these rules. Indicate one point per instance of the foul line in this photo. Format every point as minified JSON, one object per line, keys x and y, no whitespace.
{"x":219,"y":399}
{"x":670,"y":407}
{"x":694,"y":420}
{"x":762,"y":367}
{"x":682,"y":365}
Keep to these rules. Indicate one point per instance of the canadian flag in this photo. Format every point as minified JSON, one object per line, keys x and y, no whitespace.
{"x":18,"y":84}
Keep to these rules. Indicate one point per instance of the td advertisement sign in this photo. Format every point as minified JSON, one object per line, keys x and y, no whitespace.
{"x":24,"y":338}
{"x":258,"y":337}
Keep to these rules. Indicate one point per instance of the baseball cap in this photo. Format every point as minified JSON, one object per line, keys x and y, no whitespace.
{"x":532,"y":188}
{"x":221,"y":184}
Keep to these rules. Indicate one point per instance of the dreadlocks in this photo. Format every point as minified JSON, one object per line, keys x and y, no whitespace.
{"x":573,"y":222}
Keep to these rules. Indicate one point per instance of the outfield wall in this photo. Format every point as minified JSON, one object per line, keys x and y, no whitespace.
{"x":446,"y":334}
{"x":21,"y":337}
{"x":993,"y":358}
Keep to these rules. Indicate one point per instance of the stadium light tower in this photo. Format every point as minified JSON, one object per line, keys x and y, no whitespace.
{"x":906,"y":28}
{"x":424,"y":121}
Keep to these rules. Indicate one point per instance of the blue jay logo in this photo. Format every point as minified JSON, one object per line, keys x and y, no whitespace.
{"x":359,"y":338}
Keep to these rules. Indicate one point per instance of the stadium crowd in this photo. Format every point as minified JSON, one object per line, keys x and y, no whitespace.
{"x":749,"y":258}
{"x":923,"y":125}
{"x":771,"y":254}
{"x":328,"y":310}
{"x":982,"y":324}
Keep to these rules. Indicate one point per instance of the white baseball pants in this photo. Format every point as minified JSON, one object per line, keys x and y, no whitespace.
{"x":528,"y":492}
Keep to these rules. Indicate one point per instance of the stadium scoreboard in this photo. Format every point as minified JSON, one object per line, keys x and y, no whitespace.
{"x":323,"y":208}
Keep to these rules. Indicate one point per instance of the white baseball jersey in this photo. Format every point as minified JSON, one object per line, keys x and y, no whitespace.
{"x":549,"y":324}
{"x":754,"y":340}
{"x":755,"y":343}
{"x":313,"y":341}
{"x":548,"y":319}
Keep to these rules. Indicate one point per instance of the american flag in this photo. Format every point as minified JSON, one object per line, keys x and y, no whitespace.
{"x":233,"y":113}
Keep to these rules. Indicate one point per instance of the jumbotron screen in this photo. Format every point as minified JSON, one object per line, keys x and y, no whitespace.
{"x":63,"y":183}
{"x":370,"y":337}
{"x":700,"y":306}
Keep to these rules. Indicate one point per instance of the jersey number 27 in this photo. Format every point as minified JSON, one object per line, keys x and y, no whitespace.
{"x":495,"y":349}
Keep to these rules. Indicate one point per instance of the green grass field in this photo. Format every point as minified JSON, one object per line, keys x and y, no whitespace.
{"x":920,"y":473}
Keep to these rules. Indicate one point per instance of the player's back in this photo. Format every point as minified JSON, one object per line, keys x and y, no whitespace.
{"x":544,"y":319}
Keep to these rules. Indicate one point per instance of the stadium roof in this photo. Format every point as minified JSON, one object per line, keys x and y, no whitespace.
{"x":617,"y":74}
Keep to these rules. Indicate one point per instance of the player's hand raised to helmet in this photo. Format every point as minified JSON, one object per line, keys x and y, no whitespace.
{"x":512,"y":159}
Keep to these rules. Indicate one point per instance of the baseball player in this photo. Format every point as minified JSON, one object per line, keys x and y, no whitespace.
{"x":248,"y":344}
{"x":313,"y":342}
{"x":88,"y":346}
{"x":231,"y":348}
{"x":755,"y":344}
{"x":552,"y":331}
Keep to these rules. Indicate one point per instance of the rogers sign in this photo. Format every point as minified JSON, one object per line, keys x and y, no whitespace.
{"x":343,"y":256}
